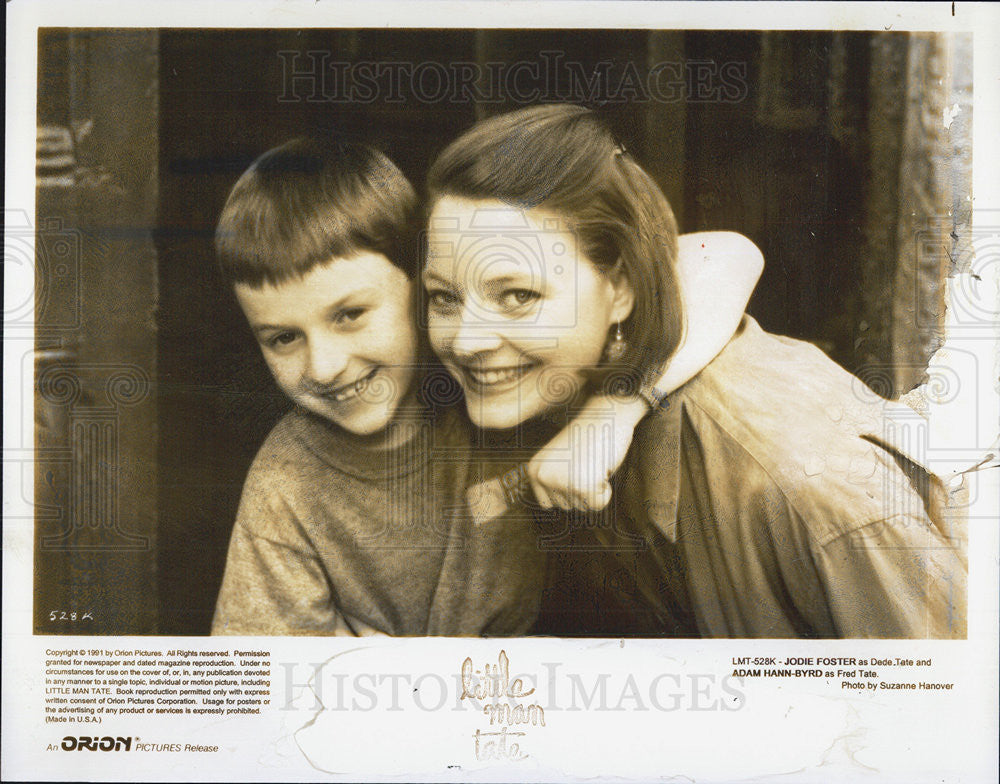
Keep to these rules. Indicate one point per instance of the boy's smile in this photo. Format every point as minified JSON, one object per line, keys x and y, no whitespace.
{"x":341,"y":340}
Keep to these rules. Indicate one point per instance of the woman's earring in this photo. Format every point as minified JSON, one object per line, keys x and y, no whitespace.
{"x":616,"y":348}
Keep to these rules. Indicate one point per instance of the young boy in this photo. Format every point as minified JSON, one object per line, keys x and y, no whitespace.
{"x":353,"y":517}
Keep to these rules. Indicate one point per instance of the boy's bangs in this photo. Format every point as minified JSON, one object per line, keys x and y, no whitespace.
{"x":260,"y":247}
{"x":303,"y":204}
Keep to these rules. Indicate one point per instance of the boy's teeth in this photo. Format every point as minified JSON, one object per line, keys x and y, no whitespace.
{"x":354,"y":390}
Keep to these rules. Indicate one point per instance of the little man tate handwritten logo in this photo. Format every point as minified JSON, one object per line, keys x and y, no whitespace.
{"x":482,"y":707}
{"x":493,"y":682}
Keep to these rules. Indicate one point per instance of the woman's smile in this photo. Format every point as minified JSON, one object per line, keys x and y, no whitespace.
{"x":519,"y":331}
{"x":494,"y":379}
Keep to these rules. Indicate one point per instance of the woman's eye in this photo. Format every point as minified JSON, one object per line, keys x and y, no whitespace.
{"x":349,"y":315}
{"x":442,"y":300}
{"x":517,"y":298}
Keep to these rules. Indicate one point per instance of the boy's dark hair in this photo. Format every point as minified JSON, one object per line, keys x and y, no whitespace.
{"x":305,"y":202}
{"x":563,"y":159}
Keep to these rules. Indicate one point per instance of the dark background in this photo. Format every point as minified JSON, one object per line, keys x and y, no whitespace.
{"x":798,"y":140}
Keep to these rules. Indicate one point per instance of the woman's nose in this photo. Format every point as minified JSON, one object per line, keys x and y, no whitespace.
{"x":476,"y":334}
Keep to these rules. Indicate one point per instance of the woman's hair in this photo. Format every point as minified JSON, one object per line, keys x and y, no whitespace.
{"x":562,"y":159}
{"x":302,"y":203}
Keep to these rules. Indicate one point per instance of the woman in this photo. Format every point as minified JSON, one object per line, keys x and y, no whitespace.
{"x":754,"y":503}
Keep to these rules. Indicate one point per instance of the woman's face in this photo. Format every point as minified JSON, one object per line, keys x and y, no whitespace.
{"x":516,"y":313}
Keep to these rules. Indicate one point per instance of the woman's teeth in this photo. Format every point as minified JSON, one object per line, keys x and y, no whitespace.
{"x":355,"y":389}
{"x":494,"y":376}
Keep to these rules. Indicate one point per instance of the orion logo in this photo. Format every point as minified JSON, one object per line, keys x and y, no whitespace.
{"x":87,"y":743}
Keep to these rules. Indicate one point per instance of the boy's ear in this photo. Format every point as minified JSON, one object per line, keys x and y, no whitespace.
{"x":624,"y":293}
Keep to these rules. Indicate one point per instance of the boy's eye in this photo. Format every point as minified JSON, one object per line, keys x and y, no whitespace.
{"x":281,"y":339}
{"x":518,"y":298}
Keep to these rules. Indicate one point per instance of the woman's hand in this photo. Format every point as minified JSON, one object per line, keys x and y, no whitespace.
{"x":574,"y":469}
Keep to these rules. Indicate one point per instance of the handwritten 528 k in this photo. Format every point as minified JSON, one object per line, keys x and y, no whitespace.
{"x":70,"y":615}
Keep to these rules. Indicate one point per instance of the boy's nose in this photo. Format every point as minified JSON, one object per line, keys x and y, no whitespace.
{"x":326,"y":364}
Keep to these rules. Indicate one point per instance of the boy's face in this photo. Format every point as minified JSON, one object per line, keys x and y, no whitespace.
{"x":341,"y":341}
